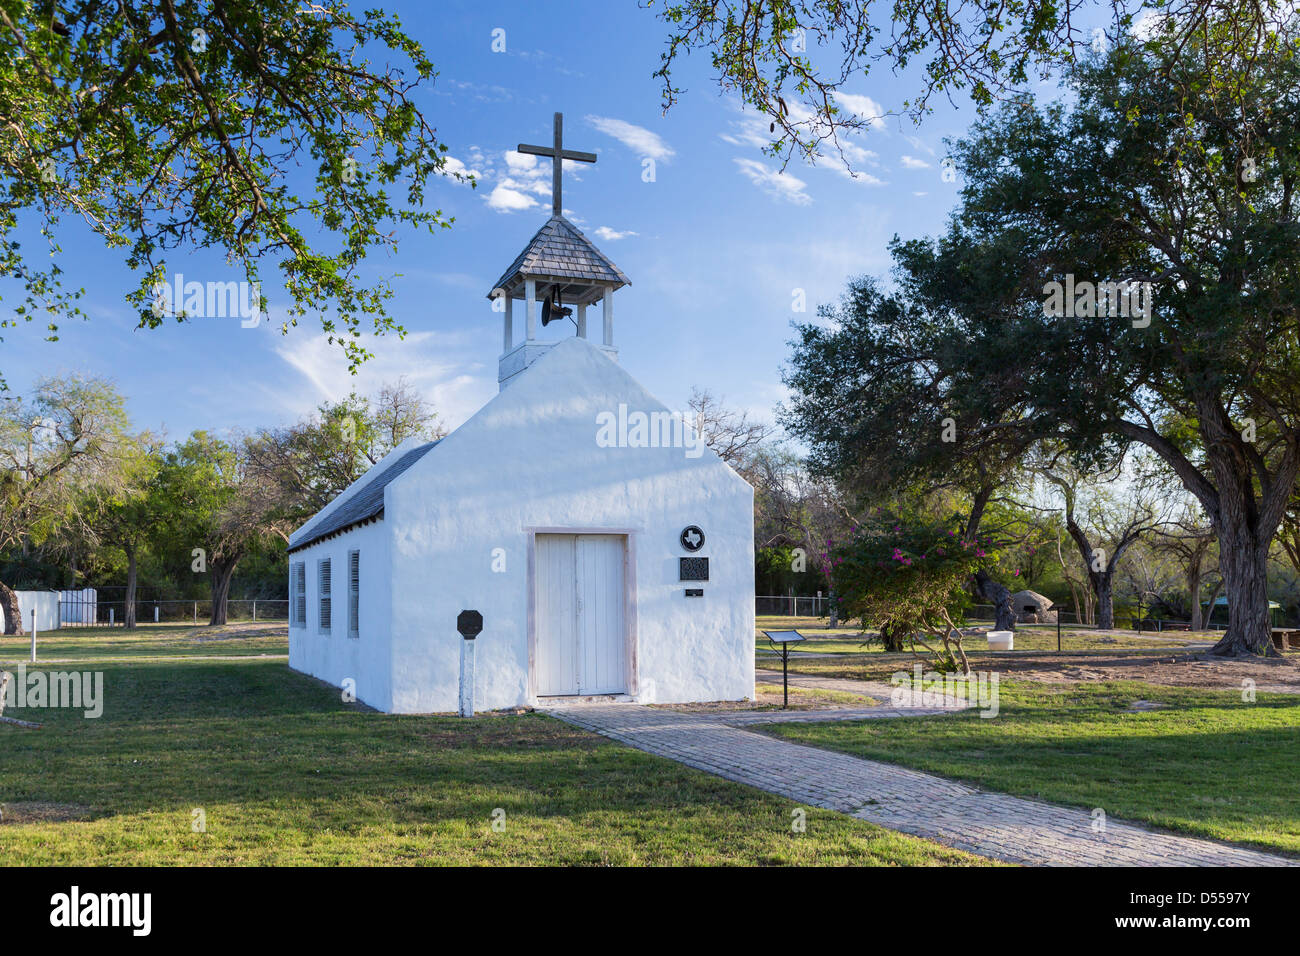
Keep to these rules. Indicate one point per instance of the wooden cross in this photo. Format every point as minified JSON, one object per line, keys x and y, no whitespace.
{"x":558,"y":155}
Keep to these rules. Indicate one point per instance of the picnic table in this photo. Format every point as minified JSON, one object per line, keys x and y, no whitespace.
{"x":1282,"y":636}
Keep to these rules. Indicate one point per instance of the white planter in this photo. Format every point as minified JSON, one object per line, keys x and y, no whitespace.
{"x":1002,"y":640}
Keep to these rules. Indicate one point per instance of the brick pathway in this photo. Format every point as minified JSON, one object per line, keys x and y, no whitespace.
{"x":991,"y":824}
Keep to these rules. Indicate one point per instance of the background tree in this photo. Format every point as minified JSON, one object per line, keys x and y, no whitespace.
{"x":1192,"y":542}
{"x":731,"y":434}
{"x":884,"y":405}
{"x":1209,"y":372}
{"x":126,"y":519}
{"x":1103,"y":523}
{"x":167,"y":126}
{"x":797,"y":519}
{"x":313,"y":461}
{"x":220,"y":507}
{"x":59,"y":449}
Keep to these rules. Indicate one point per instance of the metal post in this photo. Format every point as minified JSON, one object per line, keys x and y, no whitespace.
{"x":196,"y":612}
{"x":1058,"y":630}
{"x":785,"y":676}
{"x":254,"y":610}
{"x":155,"y":613}
{"x":467,"y":677}
{"x":112,"y":616}
{"x":33,"y":635}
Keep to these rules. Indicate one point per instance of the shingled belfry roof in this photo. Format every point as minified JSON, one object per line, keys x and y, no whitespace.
{"x":560,"y":252}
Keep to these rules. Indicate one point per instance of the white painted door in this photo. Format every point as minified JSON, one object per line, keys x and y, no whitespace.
{"x":580,"y":624}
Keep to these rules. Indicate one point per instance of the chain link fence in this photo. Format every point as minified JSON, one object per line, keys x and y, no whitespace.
{"x":792,"y":605}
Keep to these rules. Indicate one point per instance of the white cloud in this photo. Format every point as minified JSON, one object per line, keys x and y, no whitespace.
{"x":524,"y":176}
{"x":518,"y":162}
{"x":505,"y":199}
{"x":749,"y":131}
{"x":849,"y":159}
{"x":911,"y":162}
{"x":636,"y":138}
{"x":920,"y":194}
{"x":454,"y":166}
{"x":609,"y":235}
{"x":422,"y":358}
{"x":776,"y":184}
{"x":863,"y":107}
{"x":920,"y":145}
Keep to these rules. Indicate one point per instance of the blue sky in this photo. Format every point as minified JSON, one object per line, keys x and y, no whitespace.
{"x":715,"y":246}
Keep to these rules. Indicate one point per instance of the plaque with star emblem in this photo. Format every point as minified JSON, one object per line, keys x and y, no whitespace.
{"x":692,"y":537}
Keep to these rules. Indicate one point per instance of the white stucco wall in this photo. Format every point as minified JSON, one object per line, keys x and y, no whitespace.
{"x":530,"y":459}
{"x":336,"y":657}
{"x":46,"y":604}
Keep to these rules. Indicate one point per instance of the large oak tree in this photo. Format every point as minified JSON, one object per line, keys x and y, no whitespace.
{"x":1144,"y":178}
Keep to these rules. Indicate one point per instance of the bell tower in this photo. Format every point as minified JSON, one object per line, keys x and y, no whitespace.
{"x":557,"y":276}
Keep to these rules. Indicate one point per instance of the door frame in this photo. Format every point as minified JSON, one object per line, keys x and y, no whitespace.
{"x":629,"y":536}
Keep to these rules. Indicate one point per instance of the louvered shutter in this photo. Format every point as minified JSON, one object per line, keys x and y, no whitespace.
{"x":354,"y":593}
{"x":300,"y":594}
{"x":323,"y":589}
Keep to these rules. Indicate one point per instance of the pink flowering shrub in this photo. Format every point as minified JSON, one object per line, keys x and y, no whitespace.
{"x":908,"y":575}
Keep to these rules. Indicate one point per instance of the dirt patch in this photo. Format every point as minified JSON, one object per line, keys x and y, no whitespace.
{"x":39,"y":812}
{"x":1281,"y":675}
{"x":769,"y":698}
{"x":234,"y":632}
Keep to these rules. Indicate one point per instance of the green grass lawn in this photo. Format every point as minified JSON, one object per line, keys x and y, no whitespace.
{"x":1206,"y":764}
{"x":150,"y":640}
{"x":287,"y":774}
{"x":848,"y":640}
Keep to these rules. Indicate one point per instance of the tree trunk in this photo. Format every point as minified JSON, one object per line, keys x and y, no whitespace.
{"x":1194,"y":590}
{"x":1000,"y":597}
{"x":13,"y":616}
{"x":128,"y":612}
{"x":1243,"y":562}
{"x":1103,"y":589}
{"x":891,"y":639}
{"x":221,"y":575}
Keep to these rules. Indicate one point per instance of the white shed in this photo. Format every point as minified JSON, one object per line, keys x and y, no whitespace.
{"x":609,"y":551}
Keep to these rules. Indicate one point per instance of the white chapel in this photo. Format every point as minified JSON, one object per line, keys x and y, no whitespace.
{"x":610,"y":553}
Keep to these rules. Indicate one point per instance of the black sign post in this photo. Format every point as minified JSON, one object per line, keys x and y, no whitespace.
{"x":470,"y":625}
{"x":781,"y":641}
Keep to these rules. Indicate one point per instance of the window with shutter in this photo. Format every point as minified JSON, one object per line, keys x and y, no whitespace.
{"x":300,"y":594}
{"x":323,"y":589}
{"x":354,"y":593}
